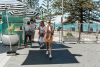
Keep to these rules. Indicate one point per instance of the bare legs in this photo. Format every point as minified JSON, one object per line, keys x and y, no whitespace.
{"x":48,"y":47}
{"x":32,"y":37}
{"x":48,"y":42}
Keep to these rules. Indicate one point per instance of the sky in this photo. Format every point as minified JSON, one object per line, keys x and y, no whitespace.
{"x":7,"y":0}
{"x":40,"y":1}
{"x":3,"y":1}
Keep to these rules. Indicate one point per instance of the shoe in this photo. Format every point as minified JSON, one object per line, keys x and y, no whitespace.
{"x":50,"y":56}
{"x":42,"y":46}
{"x":47,"y":52}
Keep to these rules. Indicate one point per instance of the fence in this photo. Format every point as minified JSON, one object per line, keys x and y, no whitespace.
{"x":90,"y":34}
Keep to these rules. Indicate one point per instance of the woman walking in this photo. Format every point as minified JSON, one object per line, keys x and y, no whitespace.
{"x":33,"y":28}
{"x":41,"y":33}
{"x":28,"y":33}
{"x":49,"y":38}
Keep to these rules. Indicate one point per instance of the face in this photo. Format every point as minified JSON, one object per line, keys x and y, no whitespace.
{"x":49,"y":23}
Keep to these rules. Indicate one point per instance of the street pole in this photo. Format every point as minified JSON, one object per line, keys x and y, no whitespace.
{"x":7,"y":17}
{"x":97,"y":32}
{"x":47,"y":8}
{"x":62,"y":23}
{"x":8,"y":26}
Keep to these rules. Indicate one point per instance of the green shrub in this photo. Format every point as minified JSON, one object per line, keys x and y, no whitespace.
{"x":69,"y":34}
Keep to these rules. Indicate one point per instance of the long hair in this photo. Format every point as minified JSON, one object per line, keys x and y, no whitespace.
{"x":49,"y":27}
{"x":42,"y":23}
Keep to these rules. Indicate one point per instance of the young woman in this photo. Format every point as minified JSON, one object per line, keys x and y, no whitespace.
{"x":33,"y":28}
{"x":28,"y":33}
{"x":49,"y":38}
{"x":41,"y":33}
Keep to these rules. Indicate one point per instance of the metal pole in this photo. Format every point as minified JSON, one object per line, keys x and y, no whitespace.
{"x":8,"y":27}
{"x":97,"y":32}
{"x":59,"y":36}
{"x":79,"y":25}
{"x":48,"y":8}
{"x":62,"y":23}
{"x":7,"y":18}
{"x":24,"y":15}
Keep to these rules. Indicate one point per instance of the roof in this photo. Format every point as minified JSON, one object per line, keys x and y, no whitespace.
{"x":10,"y":2}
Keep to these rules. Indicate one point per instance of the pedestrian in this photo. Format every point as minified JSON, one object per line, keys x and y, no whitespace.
{"x":49,"y":31}
{"x":33,"y":28}
{"x":28,"y":33}
{"x":41,"y":33}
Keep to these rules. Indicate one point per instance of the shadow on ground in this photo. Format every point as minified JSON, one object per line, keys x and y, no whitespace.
{"x":54,"y":46}
{"x":3,"y":48}
{"x":37,"y":57}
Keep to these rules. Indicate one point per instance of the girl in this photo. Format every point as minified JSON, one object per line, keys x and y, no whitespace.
{"x":49,"y":38}
{"x":41,"y":33}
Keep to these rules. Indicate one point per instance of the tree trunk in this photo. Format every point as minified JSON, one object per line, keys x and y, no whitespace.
{"x":89,"y":22}
{"x":81,"y":20}
{"x":81,"y":23}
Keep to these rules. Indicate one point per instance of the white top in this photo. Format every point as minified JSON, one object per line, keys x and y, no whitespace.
{"x":33,"y":26}
{"x":27,"y":27}
{"x":42,"y":29}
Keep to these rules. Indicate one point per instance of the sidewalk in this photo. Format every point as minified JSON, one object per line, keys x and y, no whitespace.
{"x":70,"y":55}
{"x":64,"y":55}
{"x":3,"y":56}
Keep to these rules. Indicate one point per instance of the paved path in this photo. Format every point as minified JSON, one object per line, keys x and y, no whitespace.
{"x":64,"y":55}
{"x":70,"y":55}
{"x":3,"y":56}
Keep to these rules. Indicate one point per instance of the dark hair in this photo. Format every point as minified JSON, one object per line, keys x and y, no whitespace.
{"x":0,"y":17}
{"x":42,"y":23}
{"x":49,"y":22}
{"x":31,"y":19}
{"x":28,"y":23}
